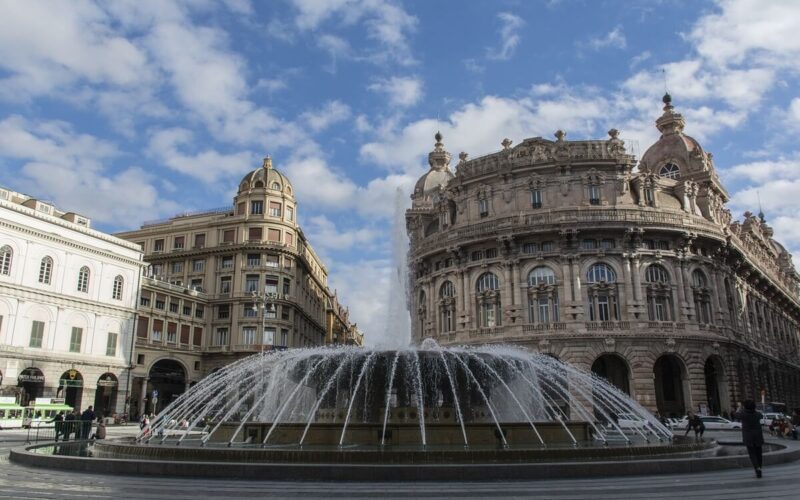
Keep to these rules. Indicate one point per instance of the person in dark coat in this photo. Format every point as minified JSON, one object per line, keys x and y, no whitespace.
{"x":752,"y":434}
{"x":59,"y":424}
{"x":87,"y":417}
{"x":695,"y":424}
{"x":69,"y":424}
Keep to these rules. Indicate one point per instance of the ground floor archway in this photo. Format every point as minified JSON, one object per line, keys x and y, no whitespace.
{"x":105,"y":397}
{"x":716,"y":386}
{"x":31,"y":383}
{"x":70,"y":387}
{"x":671,"y":386}
{"x":614,"y":369}
{"x":167,"y":380}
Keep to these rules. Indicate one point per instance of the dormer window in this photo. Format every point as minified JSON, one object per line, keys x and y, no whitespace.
{"x":483,"y":207}
{"x":670,"y":171}
{"x":536,"y":198}
{"x":275,"y":186}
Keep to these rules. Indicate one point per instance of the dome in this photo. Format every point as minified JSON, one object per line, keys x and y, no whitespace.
{"x":431,"y":181}
{"x":668,"y":201}
{"x":268,"y":177}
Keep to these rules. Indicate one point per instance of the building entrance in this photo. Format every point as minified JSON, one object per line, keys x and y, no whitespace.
{"x":70,"y":387}
{"x":670,"y":378}
{"x":167,"y":380}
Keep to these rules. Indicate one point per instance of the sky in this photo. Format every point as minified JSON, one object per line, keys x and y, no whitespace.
{"x":134,"y":110}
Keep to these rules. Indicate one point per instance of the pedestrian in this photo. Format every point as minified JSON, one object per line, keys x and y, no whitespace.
{"x":695,"y":424}
{"x":144,"y":421}
{"x":59,"y":424}
{"x":70,"y":420}
{"x":752,"y":434}
{"x":87,"y":417}
{"x":100,"y":433}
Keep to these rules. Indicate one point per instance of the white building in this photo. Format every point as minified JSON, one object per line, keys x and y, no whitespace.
{"x":68,"y":297}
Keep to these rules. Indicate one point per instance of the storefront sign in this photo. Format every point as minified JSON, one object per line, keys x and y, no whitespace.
{"x":107,"y":382}
{"x":31,"y":376}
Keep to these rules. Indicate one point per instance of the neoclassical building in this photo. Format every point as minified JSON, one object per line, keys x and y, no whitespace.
{"x":227,"y":283}
{"x":635,"y":270}
{"x":67,"y":302}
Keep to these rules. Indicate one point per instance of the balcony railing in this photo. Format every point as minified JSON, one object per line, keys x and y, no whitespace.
{"x":542,"y":327}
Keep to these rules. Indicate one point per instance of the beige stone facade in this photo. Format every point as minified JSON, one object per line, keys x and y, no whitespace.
{"x":228,"y":283}
{"x":637,"y":272}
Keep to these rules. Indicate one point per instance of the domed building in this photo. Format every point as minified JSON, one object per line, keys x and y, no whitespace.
{"x":228,"y":282}
{"x":636,"y":272}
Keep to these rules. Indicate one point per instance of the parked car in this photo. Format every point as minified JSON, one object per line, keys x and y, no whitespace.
{"x":718,"y":423}
{"x":676,"y":423}
{"x":767,"y":418}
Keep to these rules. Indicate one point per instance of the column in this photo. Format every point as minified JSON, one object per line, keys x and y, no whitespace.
{"x":468,"y":312}
{"x":518,"y":284}
{"x":628,"y":286}
{"x":719,"y":278}
{"x":566,"y":279}
{"x":142,"y":395}
{"x":682,"y":297}
{"x":432,"y":309}
{"x":508,"y":284}
{"x":637,"y":280}
{"x":459,"y":286}
{"x":687,"y":289}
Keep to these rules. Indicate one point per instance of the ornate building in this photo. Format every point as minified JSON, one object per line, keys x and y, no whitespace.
{"x":67,"y":302}
{"x":227,"y":283}
{"x":639,"y":274}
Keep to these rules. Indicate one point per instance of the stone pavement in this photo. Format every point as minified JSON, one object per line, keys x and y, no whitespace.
{"x":20,"y":482}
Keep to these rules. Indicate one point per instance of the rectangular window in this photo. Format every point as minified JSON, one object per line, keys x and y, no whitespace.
{"x":111,"y":344}
{"x":156,"y":269}
{"x":198,"y":265}
{"x":229,"y":235}
{"x":197,"y":339}
{"x":289,"y":239}
{"x":227,"y":262}
{"x":594,"y":195}
{"x":274,"y":209}
{"x":221,"y":338}
{"x":255,"y":234}
{"x":173,"y":306}
{"x":662,"y":245}
{"x":588,"y":244}
{"x":271,"y":284}
{"x":199,"y":240}
{"x":544,"y":310}
{"x":161,"y":301}
{"x":269,"y":336}
{"x":285,"y":310}
{"x":141,"y":327}
{"x":271,"y":312}
{"x":177,"y":267}
{"x":199,"y":311}
{"x":196,"y":284}
{"x":75,"y":339}
{"x":158,"y":328}
{"x":144,"y":301}
{"x":140,"y":359}
{"x":274,"y":235}
{"x":158,"y":246}
{"x":603,"y":309}
{"x":548,"y":246}
{"x":284,"y":337}
{"x":272,"y":261}
{"x":607,"y":244}
{"x":250,"y":311}
{"x":179,"y":242}
{"x":491,"y":253}
{"x":483,"y":207}
{"x":187,"y":309}
{"x":251,"y":283}
{"x":223,"y":311}
{"x":249,"y":335}
{"x":289,"y":213}
{"x":241,"y":208}
{"x":536,"y":198}
{"x":477,"y":255}
{"x":253,"y":259}
{"x":256,"y":207}
{"x":287,"y":286}
{"x":648,"y":196}
{"x":185,"y":334}
{"x":172,"y":332}
{"x":529,"y":248}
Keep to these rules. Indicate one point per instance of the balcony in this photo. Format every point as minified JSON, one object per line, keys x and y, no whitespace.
{"x":544,"y":327}
{"x":607,"y":325}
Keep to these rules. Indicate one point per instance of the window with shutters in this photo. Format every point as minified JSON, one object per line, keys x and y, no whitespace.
{"x":75,"y":338}
{"x":37,"y":334}
{"x":111,"y":344}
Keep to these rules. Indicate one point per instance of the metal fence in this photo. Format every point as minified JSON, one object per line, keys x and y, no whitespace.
{"x":67,"y":430}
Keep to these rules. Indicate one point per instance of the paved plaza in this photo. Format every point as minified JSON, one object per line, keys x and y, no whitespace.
{"x":21,"y":482}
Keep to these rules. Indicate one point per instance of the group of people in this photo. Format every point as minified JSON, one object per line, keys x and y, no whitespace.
{"x":80,"y":424}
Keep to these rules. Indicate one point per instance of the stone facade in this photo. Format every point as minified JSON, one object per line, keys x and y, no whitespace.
{"x":638,"y":273}
{"x":67,"y":302}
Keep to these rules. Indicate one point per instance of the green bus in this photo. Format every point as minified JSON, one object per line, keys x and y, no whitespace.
{"x":10,"y":413}
{"x":43,"y":411}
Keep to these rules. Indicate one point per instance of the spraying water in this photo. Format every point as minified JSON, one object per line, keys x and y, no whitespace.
{"x":398,"y":324}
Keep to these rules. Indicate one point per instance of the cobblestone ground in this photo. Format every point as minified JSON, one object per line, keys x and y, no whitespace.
{"x":20,"y":482}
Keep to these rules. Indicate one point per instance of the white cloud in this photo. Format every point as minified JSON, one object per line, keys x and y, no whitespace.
{"x":363,"y":285}
{"x":71,"y":169}
{"x":271,"y":85}
{"x":509,"y":36}
{"x":168,"y":148}
{"x":401,"y":91}
{"x":613,"y":39}
{"x":332,"y":112}
{"x":327,"y":237}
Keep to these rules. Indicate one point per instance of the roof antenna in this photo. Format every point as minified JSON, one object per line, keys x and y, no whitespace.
{"x":760,"y":210}
{"x":664,"y":77}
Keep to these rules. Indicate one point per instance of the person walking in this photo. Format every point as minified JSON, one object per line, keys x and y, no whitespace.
{"x":70,"y":420}
{"x":59,"y":424}
{"x":752,"y":434}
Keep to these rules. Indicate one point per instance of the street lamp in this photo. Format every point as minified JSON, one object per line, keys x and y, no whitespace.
{"x":266,"y":301}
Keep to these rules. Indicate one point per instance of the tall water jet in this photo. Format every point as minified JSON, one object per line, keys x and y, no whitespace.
{"x":398,"y":323}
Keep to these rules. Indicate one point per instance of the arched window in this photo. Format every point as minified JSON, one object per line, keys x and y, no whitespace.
{"x":702,"y":296}
{"x":659,"y":293}
{"x":542,"y":296}
{"x":45,"y":270}
{"x":670,"y":171}
{"x":5,"y":260}
{"x":275,"y":186}
{"x":601,"y":273}
{"x":488,"y":299}
{"x":447,"y":303}
{"x":116,"y":292}
{"x":83,"y":279}
{"x":602,"y":292}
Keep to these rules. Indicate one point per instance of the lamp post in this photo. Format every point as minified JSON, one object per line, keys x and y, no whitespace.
{"x":265,"y":301}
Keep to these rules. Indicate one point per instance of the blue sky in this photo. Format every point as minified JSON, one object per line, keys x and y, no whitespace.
{"x":128,"y":111}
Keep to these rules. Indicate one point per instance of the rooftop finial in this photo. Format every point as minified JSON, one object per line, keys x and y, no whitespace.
{"x":761,"y":216}
{"x":438,"y":137}
{"x":267,"y":162}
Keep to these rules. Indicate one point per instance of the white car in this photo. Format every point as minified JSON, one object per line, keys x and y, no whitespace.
{"x":717,"y":423}
{"x":767,"y":418}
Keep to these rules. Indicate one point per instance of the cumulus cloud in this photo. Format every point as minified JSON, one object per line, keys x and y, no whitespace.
{"x":614,"y":39}
{"x":401,"y":91}
{"x":510,"y":25}
{"x":73,"y":170}
{"x":332,"y":112}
